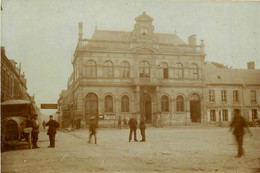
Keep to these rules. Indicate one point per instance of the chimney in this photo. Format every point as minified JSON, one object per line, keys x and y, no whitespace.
{"x":192,"y":39}
{"x":80,"y":30}
{"x":251,"y":65}
{"x":22,"y":77}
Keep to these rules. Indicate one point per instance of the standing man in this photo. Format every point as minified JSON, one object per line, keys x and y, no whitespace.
{"x":119,"y":122}
{"x":238,"y":124}
{"x":133,"y":126}
{"x":142,"y":128}
{"x":53,"y":125}
{"x":35,"y":131}
{"x":125,"y":122}
{"x":92,"y":128}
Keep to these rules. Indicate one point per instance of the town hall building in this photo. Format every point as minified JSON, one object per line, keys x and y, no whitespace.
{"x":141,"y":72}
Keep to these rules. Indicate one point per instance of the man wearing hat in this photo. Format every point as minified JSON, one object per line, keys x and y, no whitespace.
{"x":53,"y":125}
{"x":35,"y":131}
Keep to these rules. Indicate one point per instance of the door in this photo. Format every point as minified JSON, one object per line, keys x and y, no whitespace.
{"x":91,"y":108}
{"x":195,"y":113}
{"x":146,"y":107}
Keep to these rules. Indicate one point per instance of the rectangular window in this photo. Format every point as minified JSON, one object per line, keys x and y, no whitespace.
{"x":235,"y":96}
{"x":225,"y":115}
{"x":211,"y":95}
{"x":224,"y":96}
{"x":212,"y":115}
{"x":254,"y":114}
{"x":253,"y":96}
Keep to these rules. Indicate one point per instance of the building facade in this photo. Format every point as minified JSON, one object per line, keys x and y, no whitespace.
{"x":143,"y":72}
{"x":13,"y":82}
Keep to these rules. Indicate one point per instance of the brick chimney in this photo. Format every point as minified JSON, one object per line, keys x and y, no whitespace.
{"x":192,"y":40}
{"x":251,"y":65}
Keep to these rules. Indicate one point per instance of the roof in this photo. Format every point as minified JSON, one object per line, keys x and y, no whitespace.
{"x":17,"y":102}
{"x":144,"y":17}
{"x":125,"y":36}
{"x":215,"y":75}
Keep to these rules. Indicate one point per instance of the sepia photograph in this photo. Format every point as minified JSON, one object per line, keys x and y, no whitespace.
{"x":130,"y":86}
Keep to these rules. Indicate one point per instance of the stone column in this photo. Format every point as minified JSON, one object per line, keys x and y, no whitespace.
{"x":137,"y":99}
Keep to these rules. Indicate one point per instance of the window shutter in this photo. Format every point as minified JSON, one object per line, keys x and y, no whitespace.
{"x":250,"y":115}
{"x":229,"y":114}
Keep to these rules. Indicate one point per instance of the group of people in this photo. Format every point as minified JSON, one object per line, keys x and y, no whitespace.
{"x":52,"y":124}
{"x":133,"y":127}
{"x":119,"y":120}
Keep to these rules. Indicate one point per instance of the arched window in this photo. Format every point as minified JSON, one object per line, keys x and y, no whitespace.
{"x":125,"y":104}
{"x":163,"y":70}
{"x":124,"y":70}
{"x":165,"y":104}
{"x":108,"y":104}
{"x":108,"y":70}
{"x":144,"y":69}
{"x":194,"y":71}
{"x":91,"y":69}
{"x":178,"y":72}
{"x":179,"y":104}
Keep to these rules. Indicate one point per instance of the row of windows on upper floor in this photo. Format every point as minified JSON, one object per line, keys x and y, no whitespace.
{"x":90,"y":70}
{"x":252,"y":96}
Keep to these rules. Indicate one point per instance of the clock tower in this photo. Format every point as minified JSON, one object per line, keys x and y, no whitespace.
{"x":143,"y":29}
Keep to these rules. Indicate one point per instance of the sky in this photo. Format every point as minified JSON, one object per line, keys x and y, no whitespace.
{"x":42,"y":35}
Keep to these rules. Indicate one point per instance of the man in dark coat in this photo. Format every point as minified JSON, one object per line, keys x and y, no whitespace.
{"x":238,"y":124}
{"x":92,"y":128}
{"x":35,"y":131}
{"x":133,"y":126}
{"x":53,"y":125}
{"x":142,"y":128}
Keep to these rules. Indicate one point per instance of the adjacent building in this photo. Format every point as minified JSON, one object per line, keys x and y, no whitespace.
{"x":157,"y":75}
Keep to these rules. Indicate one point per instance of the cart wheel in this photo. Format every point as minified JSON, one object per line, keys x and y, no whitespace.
{"x":30,"y":141}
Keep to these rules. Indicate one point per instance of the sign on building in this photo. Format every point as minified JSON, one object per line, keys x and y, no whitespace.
{"x":49,"y":106}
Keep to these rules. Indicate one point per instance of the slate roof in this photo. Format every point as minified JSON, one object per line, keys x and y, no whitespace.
{"x":125,"y":36}
{"x":214,"y":75}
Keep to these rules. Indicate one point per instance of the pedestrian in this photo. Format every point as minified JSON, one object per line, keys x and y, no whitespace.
{"x":43,"y":124}
{"x":53,"y":125}
{"x":125,"y":122}
{"x":142,"y":127}
{"x":35,"y":131}
{"x":133,"y":126}
{"x":119,"y":122}
{"x":237,"y":125}
{"x":92,"y":128}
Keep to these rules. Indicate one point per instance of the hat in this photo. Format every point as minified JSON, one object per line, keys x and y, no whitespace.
{"x":51,"y":116}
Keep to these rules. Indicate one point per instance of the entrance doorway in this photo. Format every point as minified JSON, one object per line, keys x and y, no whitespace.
{"x":195,"y":113}
{"x":91,"y":106}
{"x":146,"y":107}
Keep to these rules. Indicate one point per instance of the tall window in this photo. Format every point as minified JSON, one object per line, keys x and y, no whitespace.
{"x":225,"y":114}
{"x":211,"y":95}
{"x":253,"y":96}
{"x":254,"y":114}
{"x":165,"y":104}
{"x":125,"y":104}
{"x":179,"y":104}
{"x":91,"y":69}
{"x":178,"y":71}
{"x":108,"y":69}
{"x":194,"y":71}
{"x":224,"y":95}
{"x":163,"y":70}
{"x":124,"y":70}
{"x":108,"y":104}
{"x":212,"y":115}
{"x":235,"y":96}
{"x":144,"y":69}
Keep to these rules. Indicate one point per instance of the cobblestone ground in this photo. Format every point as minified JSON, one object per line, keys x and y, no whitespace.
{"x":166,"y":150}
